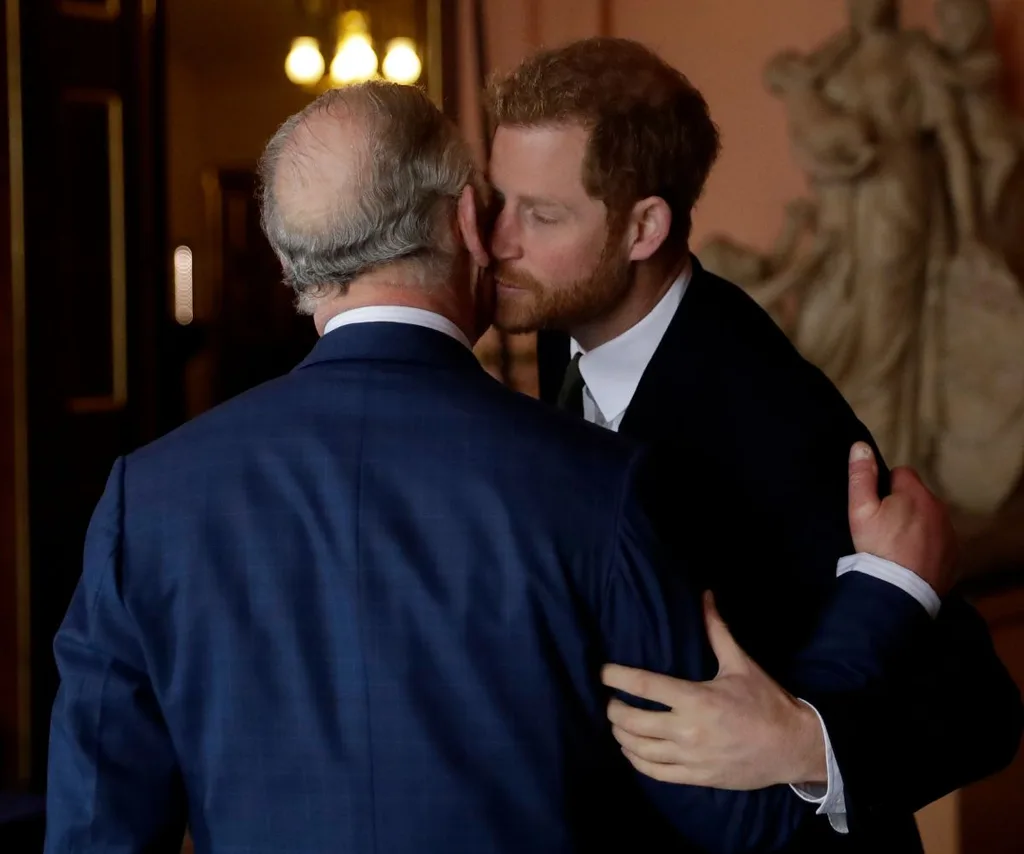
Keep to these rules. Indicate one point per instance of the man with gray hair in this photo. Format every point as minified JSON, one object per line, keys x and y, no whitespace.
{"x":336,"y":614}
{"x":363,"y":185}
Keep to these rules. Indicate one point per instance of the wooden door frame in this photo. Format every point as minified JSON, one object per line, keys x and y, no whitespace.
{"x":15,"y":600}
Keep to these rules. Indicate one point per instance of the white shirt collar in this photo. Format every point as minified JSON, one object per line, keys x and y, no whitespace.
{"x":612,"y":371}
{"x":398,"y":314}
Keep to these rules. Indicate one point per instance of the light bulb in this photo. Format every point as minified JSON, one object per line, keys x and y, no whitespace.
{"x":355,"y":60}
{"x":401,"y":63}
{"x":305,"y":64}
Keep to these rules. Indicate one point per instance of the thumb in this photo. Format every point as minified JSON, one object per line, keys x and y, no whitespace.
{"x":730,"y":654}
{"x":864,"y":501}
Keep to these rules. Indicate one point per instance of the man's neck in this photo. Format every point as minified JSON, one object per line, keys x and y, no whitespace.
{"x":375,"y":289}
{"x":652,"y":280}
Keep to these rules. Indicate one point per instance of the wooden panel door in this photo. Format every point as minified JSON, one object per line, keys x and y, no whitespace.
{"x":97,"y":306}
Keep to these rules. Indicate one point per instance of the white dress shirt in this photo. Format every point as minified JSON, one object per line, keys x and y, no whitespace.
{"x":611,"y":373}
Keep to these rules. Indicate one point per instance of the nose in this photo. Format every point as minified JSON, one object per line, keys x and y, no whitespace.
{"x":505,"y":242}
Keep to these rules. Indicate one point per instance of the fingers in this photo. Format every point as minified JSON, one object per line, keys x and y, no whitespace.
{"x":659,"y":771}
{"x":658,"y":750}
{"x":864,"y":501}
{"x":639,"y":722}
{"x":730,"y":655}
{"x":643,"y":683}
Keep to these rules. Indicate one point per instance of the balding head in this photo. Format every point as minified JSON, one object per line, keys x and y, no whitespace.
{"x":322,"y":170}
{"x":365,"y":177}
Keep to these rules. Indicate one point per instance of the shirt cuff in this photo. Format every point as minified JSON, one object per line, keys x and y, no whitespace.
{"x":832,"y":800}
{"x":893,"y":573}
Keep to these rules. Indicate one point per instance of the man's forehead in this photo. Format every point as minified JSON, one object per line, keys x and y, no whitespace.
{"x":543,"y":157}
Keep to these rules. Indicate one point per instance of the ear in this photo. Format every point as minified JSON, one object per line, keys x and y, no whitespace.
{"x":649,"y":225}
{"x":469,"y":225}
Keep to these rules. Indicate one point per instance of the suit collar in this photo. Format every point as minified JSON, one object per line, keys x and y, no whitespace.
{"x":387,"y":341}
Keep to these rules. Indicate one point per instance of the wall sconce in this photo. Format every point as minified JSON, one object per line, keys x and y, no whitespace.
{"x":354,"y":59}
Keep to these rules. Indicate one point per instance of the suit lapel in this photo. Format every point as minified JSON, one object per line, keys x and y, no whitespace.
{"x":670,"y":381}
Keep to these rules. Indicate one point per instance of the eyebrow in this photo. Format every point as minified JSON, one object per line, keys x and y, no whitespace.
{"x":540,"y":202}
{"x":528,"y":200}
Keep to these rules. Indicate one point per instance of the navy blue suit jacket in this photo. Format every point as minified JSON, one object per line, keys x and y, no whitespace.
{"x":337,"y":614}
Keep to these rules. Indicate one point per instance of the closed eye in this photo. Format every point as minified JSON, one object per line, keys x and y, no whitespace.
{"x":542,"y":219}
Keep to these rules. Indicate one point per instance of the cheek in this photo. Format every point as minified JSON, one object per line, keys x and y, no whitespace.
{"x":556,"y":261}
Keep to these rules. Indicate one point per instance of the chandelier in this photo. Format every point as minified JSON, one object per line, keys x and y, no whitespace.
{"x":355,"y":57}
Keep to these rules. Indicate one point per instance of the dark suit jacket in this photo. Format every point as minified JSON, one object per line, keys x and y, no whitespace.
{"x":749,"y":445}
{"x":364,"y":608}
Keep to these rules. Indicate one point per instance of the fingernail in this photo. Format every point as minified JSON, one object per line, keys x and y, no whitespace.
{"x":860,"y":451}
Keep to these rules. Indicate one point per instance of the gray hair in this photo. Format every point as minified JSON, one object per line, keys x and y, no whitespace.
{"x":418,"y":167}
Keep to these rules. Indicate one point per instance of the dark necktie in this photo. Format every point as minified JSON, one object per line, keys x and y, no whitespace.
{"x":570,"y":396}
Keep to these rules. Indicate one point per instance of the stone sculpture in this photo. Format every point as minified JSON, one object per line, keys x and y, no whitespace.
{"x":899,"y":277}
